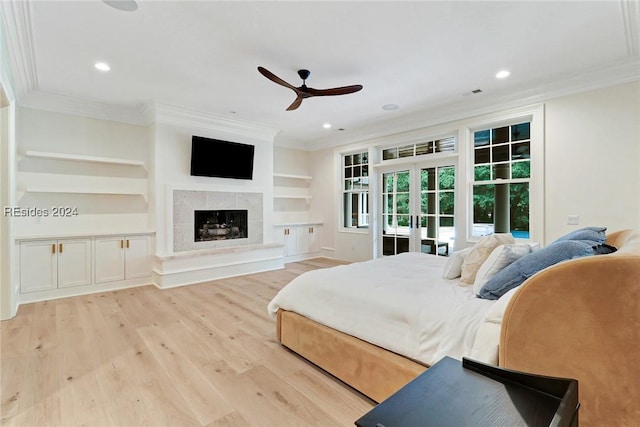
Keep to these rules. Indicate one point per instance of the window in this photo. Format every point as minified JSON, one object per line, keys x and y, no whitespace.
{"x":420,"y":148}
{"x":356,"y":190}
{"x":501,"y":178}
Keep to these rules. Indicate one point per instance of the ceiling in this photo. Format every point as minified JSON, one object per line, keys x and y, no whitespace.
{"x":424,"y":56}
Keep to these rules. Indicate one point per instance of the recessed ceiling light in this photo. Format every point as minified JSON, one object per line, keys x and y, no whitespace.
{"x":502,"y":74}
{"x":123,"y":5}
{"x":102,"y":66}
{"x":390,"y":107}
{"x":327,"y":125}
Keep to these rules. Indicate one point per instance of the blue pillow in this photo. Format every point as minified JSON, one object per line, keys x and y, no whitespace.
{"x":520,"y":270}
{"x":592,"y":234}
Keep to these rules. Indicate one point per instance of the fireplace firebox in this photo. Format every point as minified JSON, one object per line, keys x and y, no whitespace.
{"x":220,"y":225}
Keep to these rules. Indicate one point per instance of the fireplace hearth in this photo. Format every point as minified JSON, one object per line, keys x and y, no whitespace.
{"x":220,"y":225}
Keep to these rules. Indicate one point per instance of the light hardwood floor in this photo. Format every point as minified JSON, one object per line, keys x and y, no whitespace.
{"x":199,"y":355}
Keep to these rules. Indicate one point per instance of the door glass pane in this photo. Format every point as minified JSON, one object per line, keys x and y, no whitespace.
{"x":437,"y":200}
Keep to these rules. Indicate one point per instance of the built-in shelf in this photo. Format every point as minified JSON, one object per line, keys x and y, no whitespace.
{"x":290,"y":176}
{"x":283,"y":196}
{"x":34,"y":182}
{"x":82,"y":158}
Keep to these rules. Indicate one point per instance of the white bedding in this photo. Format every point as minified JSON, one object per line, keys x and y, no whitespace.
{"x":401,"y":303}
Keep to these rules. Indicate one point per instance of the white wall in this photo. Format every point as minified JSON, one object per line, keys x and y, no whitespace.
{"x":592,"y":147}
{"x":45,"y":131}
{"x":592,"y":151}
{"x":171,"y":170}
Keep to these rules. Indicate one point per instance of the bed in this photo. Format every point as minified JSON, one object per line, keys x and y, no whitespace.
{"x":558,"y":322}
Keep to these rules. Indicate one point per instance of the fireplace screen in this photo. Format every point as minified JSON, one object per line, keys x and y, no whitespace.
{"x":220,"y":225}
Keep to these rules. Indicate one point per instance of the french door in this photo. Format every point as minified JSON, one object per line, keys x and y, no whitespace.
{"x":418,"y":209}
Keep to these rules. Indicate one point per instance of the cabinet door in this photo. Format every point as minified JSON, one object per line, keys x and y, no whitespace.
{"x":38,"y":266}
{"x":137,"y":256}
{"x":314,"y":238}
{"x":74,"y":262}
{"x":290,"y":241}
{"x":303,"y":233}
{"x":109,"y":259}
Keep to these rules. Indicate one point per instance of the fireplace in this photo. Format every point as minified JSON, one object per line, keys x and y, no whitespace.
{"x":220,"y":225}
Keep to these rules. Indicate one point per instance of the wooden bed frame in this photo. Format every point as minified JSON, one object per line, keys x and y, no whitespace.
{"x":560,"y":323}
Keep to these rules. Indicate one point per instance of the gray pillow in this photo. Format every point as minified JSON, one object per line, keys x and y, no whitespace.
{"x":520,"y":270}
{"x":592,"y":234}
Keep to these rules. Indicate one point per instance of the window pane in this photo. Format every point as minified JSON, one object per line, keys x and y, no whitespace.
{"x":424,"y":148}
{"x":406,"y":151}
{"x":388,"y":182}
{"x":348,"y":184}
{"x":365,"y":170}
{"x":357,"y":171}
{"x":446,"y":144}
{"x":501,"y":171}
{"x":424,"y":203}
{"x":482,"y":173}
{"x":403,"y":181}
{"x":403,"y":204}
{"x":348,"y":172}
{"x":357,"y":184}
{"x":391,"y":153}
{"x":389,"y":204}
{"x":403,"y":220}
{"x":519,"y":207}
{"x":357,"y":159}
{"x":481,"y":138}
{"x":520,"y":132}
{"x":483,"y":201}
{"x":521,"y":170}
{"x":446,"y":221}
{"x":500,"y":153}
{"x":520,"y":151}
{"x":348,"y":160}
{"x":500,"y":135}
{"x":446,"y":203}
{"x":481,"y":156}
{"x":365,"y":157}
{"x":446,"y":178}
{"x":428,"y":179}
{"x":365,"y":182}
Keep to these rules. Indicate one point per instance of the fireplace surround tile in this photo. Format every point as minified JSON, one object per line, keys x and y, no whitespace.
{"x":185,"y":202}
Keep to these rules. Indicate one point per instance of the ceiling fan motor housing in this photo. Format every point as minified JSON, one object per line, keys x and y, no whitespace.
{"x":304,"y":74}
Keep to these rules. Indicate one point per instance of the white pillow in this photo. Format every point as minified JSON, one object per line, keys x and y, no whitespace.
{"x":479,"y":253}
{"x":453,"y":267}
{"x":499,"y":258}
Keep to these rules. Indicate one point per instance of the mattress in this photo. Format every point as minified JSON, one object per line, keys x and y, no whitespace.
{"x":401,"y":303}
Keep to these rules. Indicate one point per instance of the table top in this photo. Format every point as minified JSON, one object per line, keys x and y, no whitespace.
{"x":451,"y":393}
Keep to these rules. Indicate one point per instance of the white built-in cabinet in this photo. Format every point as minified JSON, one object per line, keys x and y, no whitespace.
{"x":53,"y":264}
{"x":121,"y":257}
{"x":300,"y":240}
{"x":51,"y":267}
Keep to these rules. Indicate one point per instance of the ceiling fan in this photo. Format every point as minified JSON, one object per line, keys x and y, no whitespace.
{"x":303,"y":91}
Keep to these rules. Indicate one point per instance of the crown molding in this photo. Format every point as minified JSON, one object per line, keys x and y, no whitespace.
{"x":177,"y":116}
{"x":631,"y":19}
{"x":81,"y":107}
{"x":16,"y":20}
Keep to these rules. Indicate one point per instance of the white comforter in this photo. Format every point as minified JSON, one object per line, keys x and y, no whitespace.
{"x":400,"y":303}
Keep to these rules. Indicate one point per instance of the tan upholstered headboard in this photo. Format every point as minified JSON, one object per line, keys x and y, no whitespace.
{"x":581,"y":319}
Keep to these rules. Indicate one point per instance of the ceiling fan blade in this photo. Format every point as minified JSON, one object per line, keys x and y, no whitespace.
{"x":268,"y":74}
{"x":334,"y":91}
{"x":295,"y":103}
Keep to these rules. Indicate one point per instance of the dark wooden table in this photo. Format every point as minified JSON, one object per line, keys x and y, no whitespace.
{"x":469,"y":393}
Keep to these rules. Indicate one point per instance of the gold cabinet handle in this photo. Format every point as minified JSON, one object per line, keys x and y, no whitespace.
{"x":53,"y":248}
{"x":60,"y":247}
{"x":127,"y":243}
{"x":121,"y":244}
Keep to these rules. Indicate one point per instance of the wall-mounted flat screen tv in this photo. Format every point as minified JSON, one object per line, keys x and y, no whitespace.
{"x":221,"y":159}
